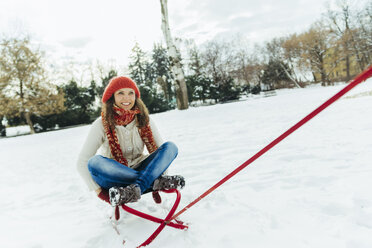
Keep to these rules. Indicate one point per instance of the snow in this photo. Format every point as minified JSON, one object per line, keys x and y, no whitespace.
{"x":19,"y":130}
{"x":311,"y":190}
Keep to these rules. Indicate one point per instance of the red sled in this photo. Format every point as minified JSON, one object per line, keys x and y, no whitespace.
{"x":163,"y":222}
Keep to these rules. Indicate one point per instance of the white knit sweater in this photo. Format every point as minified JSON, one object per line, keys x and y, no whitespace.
{"x":97,"y":143}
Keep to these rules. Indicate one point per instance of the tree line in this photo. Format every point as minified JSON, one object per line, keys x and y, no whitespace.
{"x":335,"y":48}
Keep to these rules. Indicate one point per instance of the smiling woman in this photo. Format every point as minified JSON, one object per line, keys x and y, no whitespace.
{"x":121,"y":172}
{"x":125,"y":98}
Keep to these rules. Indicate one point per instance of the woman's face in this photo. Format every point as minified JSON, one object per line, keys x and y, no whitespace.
{"x":125,"y":98}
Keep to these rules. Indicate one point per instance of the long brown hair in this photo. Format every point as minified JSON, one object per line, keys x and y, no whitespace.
{"x":142,"y":118}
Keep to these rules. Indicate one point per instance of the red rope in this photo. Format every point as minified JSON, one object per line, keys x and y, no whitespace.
{"x":163,"y":223}
{"x":357,"y":80}
{"x":178,"y":225}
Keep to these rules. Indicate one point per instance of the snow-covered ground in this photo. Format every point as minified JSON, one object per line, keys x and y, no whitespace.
{"x":311,"y":190}
{"x":16,"y":131}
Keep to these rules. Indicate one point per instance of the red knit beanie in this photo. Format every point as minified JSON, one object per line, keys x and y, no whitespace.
{"x":118,"y":83}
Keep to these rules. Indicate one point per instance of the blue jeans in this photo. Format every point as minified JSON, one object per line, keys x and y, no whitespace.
{"x":108,"y":172}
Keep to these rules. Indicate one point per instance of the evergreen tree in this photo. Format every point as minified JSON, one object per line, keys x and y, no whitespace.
{"x":224,"y":90}
{"x":139,"y":70}
{"x":104,"y":82}
{"x":144,"y":74}
{"x":195,"y":64}
{"x":137,"y":65}
{"x":228,"y":90}
{"x":256,"y":89}
{"x":214,"y":92}
{"x":162,"y":71}
{"x":79,"y":107}
{"x":2,"y":127}
{"x":198,"y":84}
{"x":274,"y":76}
{"x":79,"y":102}
{"x":198,"y":87}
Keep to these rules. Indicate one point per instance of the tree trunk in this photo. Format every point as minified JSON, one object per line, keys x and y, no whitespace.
{"x":323,"y":75}
{"x":175,"y":60}
{"x":321,"y":68}
{"x":164,"y":86}
{"x":25,"y":113}
{"x":289,"y":76}
{"x":347,"y":61}
{"x":315,"y":79}
{"x":2,"y":127}
{"x":27,"y":116}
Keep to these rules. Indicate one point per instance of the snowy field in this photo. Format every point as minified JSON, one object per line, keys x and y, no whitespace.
{"x":311,"y":190}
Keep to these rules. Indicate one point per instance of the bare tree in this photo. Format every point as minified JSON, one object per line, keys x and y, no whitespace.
{"x":175,"y":60}
{"x":220,"y":60}
{"x":25,"y":89}
{"x":282,"y":52}
{"x":244,"y":64}
{"x":292,"y":56}
{"x":212,"y":59}
{"x":342,"y":23}
{"x":363,"y":35}
{"x":314,"y":45}
{"x":193,"y":58}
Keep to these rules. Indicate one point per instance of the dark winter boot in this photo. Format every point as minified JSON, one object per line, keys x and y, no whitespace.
{"x":122,"y":195}
{"x":168,"y":182}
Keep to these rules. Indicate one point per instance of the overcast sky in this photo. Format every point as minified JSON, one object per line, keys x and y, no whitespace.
{"x":104,"y":30}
